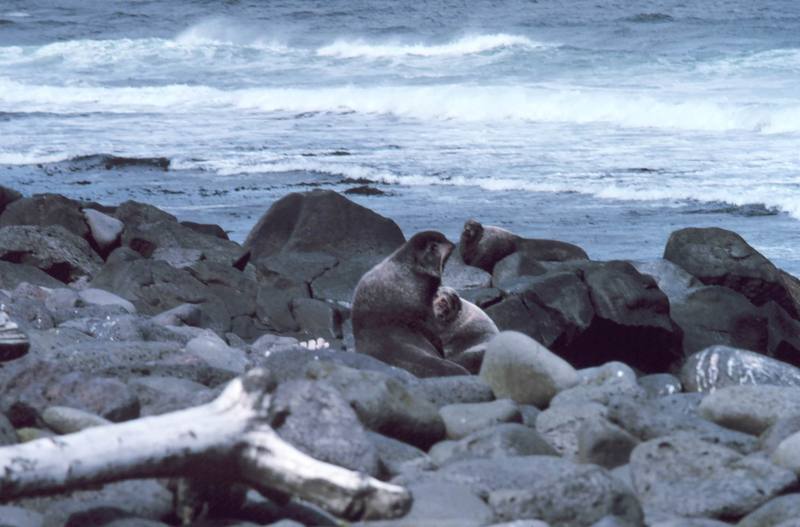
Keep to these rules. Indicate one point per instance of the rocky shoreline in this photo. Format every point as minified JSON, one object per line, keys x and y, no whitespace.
{"x":659,"y":393}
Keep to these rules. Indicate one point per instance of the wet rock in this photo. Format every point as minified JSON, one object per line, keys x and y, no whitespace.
{"x":603,"y":443}
{"x":774,"y":512}
{"x":720,"y":366}
{"x":660,"y":384}
{"x":455,"y":389}
{"x":66,"y":420}
{"x":384,"y":404}
{"x":560,"y":425}
{"x":105,"y":230}
{"x":54,"y":250}
{"x":235,"y":288}
{"x":750,"y":409}
{"x":652,"y":418}
{"x":397,"y":457}
{"x":274,"y":299}
{"x":318,"y":421}
{"x":507,"y":271}
{"x":47,"y":210}
{"x":503,"y":440}
{"x":13,"y":274}
{"x":322,"y":238}
{"x":7,"y":196}
{"x":459,"y":275}
{"x":684,"y":474}
{"x":519,"y":368}
{"x":461,"y":420}
{"x":720,"y":257}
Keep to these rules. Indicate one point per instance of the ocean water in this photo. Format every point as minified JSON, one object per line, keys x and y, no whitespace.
{"x":608,"y":124}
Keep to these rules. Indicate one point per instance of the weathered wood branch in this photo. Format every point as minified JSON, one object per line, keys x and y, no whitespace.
{"x":228,"y":439}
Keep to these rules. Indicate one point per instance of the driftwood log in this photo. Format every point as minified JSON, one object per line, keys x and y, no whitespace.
{"x":228,"y":439}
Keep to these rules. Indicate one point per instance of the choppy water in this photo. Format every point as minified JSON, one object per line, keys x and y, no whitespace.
{"x":605,"y":123}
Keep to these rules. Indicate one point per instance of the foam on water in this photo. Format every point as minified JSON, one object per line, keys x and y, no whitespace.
{"x":463,"y":46}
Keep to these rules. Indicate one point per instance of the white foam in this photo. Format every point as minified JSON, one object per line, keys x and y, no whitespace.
{"x":437,"y":102}
{"x":28,"y":158}
{"x":463,"y":46}
{"x":228,"y":32}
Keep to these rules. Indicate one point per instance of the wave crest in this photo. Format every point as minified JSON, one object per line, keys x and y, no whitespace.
{"x":348,"y":49}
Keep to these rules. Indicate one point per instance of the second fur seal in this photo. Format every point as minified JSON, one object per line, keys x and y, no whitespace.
{"x":483,"y":246}
{"x":393,"y":316}
{"x":463,"y":328}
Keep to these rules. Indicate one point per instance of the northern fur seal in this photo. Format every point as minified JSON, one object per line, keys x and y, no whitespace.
{"x":393,"y":307}
{"x":463,"y":327}
{"x":483,"y":246}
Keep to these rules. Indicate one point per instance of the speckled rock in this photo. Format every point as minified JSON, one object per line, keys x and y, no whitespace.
{"x":560,"y":425}
{"x":720,"y":366}
{"x":461,"y":420}
{"x":750,"y":409}
{"x":503,"y":440}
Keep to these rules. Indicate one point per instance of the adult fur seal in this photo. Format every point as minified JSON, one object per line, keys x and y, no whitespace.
{"x":463,"y":327}
{"x":393,"y":307}
{"x":483,"y":246}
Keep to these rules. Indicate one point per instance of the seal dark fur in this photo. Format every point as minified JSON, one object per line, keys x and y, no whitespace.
{"x":463,"y":327}
{"x":483,"y":246}
{"x":393,"y":307}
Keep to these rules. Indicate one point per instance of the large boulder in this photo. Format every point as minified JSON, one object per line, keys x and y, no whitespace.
{"x":156,"y":234}
{"x":46,"y":210}
{"x":593,"y":312}
{"x":56,"y":251}
{"x":7,"y":196}
{"x":12,"y":275}
{"x":721,"y":257}
{"x":323,"y":239}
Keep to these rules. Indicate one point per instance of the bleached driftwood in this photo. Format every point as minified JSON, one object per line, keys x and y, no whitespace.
{"x":228,"y":439}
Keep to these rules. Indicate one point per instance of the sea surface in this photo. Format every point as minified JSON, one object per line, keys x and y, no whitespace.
{"x":605,"y":123}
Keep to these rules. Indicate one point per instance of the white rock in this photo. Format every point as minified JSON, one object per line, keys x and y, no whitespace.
{"x":519,"y":368}
{"x":100,"y":297}
{"x":105,"y":229}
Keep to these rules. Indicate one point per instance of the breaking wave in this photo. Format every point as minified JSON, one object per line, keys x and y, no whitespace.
{"x":464,"y":46}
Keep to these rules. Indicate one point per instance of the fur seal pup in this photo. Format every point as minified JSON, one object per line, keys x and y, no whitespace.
{"x":483,"y":246}
{"x":393,"y":307}
{"x":463,"y":327}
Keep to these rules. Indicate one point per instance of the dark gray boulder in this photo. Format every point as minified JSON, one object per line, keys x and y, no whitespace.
{"x":593,"y":312}
{"x":720,"y":366}
{"x":155,"y":286}
{"x":7,"y":196}
{"x":397,"y":457}
{"x":683,"y":474}
{"x":323,"y":239}
{"x":313,"y":417}
{"x":46,"y":210}
{"x":673,"y":280}
{"x":721,"y":257}
{"x":12,"y":275}
{"x":54,"y":250}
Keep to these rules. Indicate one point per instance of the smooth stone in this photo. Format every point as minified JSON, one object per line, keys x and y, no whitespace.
{"x":217,"y":353}
{"x":12,"y":275}
{"x":660,"y":384}
{"x":503,"y":440}
{"x":529,"y":414}
{"x":397,"y":457}
{"x":383,"y":404}
{"x":460,"y":420}
{"x":560,"y":425}
{"x":159,"y":394}
{"x":690,"y":522}
{"x":780,"y":430}
{"x":104,"y":298}
{"x":313,"y":417}
{"x":440,"y":504}
{"x":105,"y":229}
{"x":684,"y":474}
{"x":652,"y":418}
{"x":66,"y":420}
{"x":519,"y":368}
{"x":11,"y":516}
{"x":774,"y":512}
{"x":787,"y":454}
{"x":672,"y":279}
{"x":603,"y":443}
{"x":750,"y":409}
{"x":609,"y":373}
{"x":455,"y":389}
{"x":521,"y":523}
